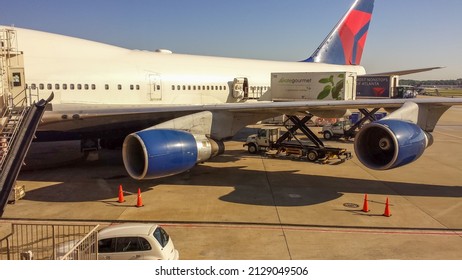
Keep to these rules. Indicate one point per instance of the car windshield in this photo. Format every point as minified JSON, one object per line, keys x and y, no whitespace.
{"x":161,"y":235}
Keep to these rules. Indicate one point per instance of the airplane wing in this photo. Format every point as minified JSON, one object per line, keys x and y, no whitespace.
{"x":121,"y":109}
{"x":67,"y":117}
{"x":406,"y":72}
{"x":166,"y":140}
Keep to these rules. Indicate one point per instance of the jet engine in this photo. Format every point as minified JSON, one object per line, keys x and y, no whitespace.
{"x":390,"y":143}
{"x":157,"y":153}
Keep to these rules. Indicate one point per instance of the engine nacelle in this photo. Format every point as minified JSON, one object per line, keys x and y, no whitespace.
{"x":157,"y":153}
{"x":389,"y":143}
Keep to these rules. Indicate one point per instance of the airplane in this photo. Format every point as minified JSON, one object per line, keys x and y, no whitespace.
{"x":174,"y":110}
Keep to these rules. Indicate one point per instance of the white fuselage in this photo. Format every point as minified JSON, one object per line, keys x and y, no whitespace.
{"x":84,"y":72}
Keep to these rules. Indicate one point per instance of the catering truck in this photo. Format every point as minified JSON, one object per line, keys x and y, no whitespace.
{"x":313,"y":86}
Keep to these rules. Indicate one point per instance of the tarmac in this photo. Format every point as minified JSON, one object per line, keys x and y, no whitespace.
{"x":240,"y":206}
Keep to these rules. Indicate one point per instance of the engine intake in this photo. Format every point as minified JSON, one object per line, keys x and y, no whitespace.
{"x":389,"y":143}
{"x":157,"y":153}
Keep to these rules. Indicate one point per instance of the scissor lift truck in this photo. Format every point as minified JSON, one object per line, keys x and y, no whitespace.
{"x":270,"y":139}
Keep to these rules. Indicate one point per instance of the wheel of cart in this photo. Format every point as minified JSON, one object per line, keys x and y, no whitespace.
{"x":327,"y":135}
{"x":312,"y":155}
{"x":252,"y":148}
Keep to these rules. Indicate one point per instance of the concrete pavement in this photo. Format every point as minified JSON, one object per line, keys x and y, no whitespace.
{"x":242,"y":206}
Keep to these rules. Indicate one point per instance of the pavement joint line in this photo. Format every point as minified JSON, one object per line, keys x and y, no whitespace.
{"x":276,"y":207}
{"x":446,"y":134}
{"x":273,"y":226}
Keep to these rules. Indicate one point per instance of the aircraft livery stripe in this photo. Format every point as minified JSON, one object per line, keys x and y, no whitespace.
{"x":365,"y":6}
{"x":354,"y":29}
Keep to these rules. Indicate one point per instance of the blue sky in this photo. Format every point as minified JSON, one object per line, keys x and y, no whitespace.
{"x":404,"y":34}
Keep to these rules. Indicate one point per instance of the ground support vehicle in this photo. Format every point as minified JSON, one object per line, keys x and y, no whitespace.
{"x":341,"y":128}
{"x":345,"y":129}
{"x":270,"y":140}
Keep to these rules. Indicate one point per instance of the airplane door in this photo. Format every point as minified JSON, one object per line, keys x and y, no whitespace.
{"x":17,"y":84}
{"x":155,"y":87}
{"x":241,"y":88}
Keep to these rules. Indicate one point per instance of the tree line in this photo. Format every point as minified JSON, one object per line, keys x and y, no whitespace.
{"x":457,"y":82}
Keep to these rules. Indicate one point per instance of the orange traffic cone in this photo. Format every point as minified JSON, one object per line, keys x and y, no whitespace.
{"x":139,"y":201}
{"x":121,"y":194}
{"x":387,"y":212}
{"x":366,"y":204}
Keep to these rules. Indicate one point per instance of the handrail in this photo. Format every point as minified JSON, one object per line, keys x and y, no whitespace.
{"x":14,"y":133}
{"x":80,"y":242}
{"x":19,"y":148}
{"x":7,"y":240}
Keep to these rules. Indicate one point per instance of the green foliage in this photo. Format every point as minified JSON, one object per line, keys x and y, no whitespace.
{"x":337,"y":89}
{"x":457,"y":82}
{"x":332,"y":88}
{"x":325,"y":92}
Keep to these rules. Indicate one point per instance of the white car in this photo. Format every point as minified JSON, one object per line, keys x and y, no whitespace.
{"x":133,"y":241}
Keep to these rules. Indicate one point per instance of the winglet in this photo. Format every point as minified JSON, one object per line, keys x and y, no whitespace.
{"x":345,"y":43}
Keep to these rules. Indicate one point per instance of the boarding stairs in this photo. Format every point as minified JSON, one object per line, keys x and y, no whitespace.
{"x":11,"y":123}
{"x":20,"y":115}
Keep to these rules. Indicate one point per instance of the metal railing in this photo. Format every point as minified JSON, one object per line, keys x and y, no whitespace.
{"x":17,"y":117}
{"x":8,"y":51}
{"x":40,"y":241}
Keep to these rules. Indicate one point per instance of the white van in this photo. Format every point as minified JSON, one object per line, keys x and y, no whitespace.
{"x":133,"y":241}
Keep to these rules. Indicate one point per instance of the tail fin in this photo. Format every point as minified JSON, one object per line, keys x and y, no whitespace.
{"x":345,"y":43}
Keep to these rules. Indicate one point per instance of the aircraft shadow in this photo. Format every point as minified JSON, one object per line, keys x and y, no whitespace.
{"x":99,"y":181}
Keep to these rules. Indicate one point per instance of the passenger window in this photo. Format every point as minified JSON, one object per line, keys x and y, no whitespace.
{"x":173,"y":87}
{"x":64,"y":86}
{"x":132,"y":87}
{"x":128,"y":244}
{"x":137,"y":87}
{"x":86,"y":87}
{"x":158,"y":87}
{"x":56,"y":86}
{"x":93,"y":86}
{"x":106,"y":87}
{"x":33,"y":86}
{"x":41,"y":86}
{"x":71,"y":86}
{"x":161,"y":236}
{"x":106,"y":245}
{"x":79,"y":86}
{"x":49,"y":87}
{"x":119,"y":87}
{"x":178,"y":87}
